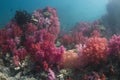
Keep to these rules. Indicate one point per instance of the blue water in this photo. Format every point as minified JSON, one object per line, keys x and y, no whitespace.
{"x":69,"y":11}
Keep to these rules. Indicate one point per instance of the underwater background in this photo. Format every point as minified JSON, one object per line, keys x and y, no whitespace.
{"x":69,"y":12}
{"x":60,"y":40}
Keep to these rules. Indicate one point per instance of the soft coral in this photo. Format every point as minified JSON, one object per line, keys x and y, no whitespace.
{"x":95,"y":50}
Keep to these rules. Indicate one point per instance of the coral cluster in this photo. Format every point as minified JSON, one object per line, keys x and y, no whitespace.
{"x":95,"y":50}
{"x":47,"y":18}
{"x":22,"y":38}
{"x":32,"y":44}
{"x":41,"y":47}
{"x":114,"y":45}
{"x":80,"y":33}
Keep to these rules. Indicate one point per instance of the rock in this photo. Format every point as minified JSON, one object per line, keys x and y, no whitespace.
{"x":3,"y":76}
{"x":12,"y":78}
{"x":1,"y":62}
{"x":4,"y":70}
{"x":60,"y":77}
{"x":26,"y":78}
{"x":18,"y":75}
{"x":31,"y":79}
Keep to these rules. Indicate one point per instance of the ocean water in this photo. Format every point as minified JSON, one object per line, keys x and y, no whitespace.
{"x":70,"y":12}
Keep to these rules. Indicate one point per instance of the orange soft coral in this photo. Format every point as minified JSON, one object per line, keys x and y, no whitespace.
{"x":70,"y":59}
{"x":95,"y":50}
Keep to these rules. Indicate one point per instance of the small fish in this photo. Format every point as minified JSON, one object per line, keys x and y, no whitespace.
{"x":102,"y":27}
{"x":35,"y":20}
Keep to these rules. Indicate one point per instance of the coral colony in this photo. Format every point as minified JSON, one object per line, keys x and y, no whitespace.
{"x":31,"y":44}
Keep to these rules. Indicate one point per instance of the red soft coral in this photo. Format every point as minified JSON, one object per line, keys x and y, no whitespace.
{"x":8,"y":46}
{"x":95,"y":50}
{"x":31,"y":28}
{"x":37,"y":38}
{"x":66,"y":39}
{"x":13,"y":30}
{"x":44,"y":35}
{"x":43,"y":51}
{"x":41,"y":47}
{"x":3,"y":36}
{"x":19,"y":55}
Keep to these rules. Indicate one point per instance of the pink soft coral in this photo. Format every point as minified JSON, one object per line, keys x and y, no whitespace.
{"x":94,"y":76}
{"x":51,"y":75}
{"x":47,"y":19}
{"x":114,"y":45}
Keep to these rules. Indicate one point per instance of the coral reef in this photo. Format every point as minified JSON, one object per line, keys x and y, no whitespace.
{"x":32,"y":48}
{"x":26,"y":44}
